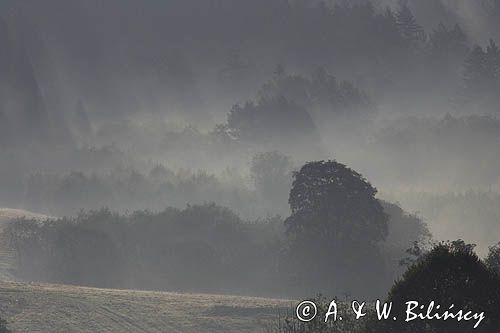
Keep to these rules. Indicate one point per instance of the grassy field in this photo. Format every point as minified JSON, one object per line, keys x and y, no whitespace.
{"x":33,"y":307}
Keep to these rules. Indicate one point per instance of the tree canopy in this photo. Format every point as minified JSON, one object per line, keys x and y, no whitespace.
{"x":334,"y":228}
{"x":450,"y":273}
{"x":333,"y":201}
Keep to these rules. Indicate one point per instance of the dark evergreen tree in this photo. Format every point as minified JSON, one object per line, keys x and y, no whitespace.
{"x":493,"y":62}
{"x":407,"y":24}
{"x":475,"y":73}
{"x":482,"y":68}
{"x":482,"y":77}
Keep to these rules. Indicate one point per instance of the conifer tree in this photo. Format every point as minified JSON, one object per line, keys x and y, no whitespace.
{"x":475,"y":70}
{"x":493,"y":61}
{"x":407,"y":24}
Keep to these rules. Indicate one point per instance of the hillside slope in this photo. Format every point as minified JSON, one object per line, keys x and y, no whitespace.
{"x":6,"y":255}
{"x":7,"y":214}
{"x":30,"y":307}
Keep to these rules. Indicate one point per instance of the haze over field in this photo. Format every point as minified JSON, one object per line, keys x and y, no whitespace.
{"x":176,"y":139}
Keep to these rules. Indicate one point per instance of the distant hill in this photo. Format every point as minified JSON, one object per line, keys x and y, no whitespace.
{"x":7,"y":214}
{"x":7,"y":257}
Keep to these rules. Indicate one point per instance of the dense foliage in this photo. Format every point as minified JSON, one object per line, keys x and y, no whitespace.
{"x":322,"y":245}
{"x":335,"y":229}
{"x":202,"y":248}
{"x":450,"y":273}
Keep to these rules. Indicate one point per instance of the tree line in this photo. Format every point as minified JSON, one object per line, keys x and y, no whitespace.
{"x":337,"y":234}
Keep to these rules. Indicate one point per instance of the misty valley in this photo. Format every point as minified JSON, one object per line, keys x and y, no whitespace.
{"x":234,"y":165}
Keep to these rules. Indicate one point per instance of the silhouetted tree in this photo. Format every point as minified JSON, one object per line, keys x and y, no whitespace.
{"x":407,"y":24}
{"x":161,"y":174}
{"x":269,"y":119}
{"x":482,"y":76}
{"x":451,"y":273}
{"x":321,"y":92}
{"x":334,"y":227}
{"x":476,"y":72}
{"x":340,"y":202}
{"x":403,"y":230}
{"x":493,"y":258}
{"x":493,"y":62}
{"x":483,"y":67}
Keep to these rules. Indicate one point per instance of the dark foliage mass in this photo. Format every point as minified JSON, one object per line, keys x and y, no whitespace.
{"x":335,"y":227}
{"x":343,"y":195}
{"x":129,"y":190}
{"x":336,"y":232}
{"x":482,"y":77}
{"x":201,"y":248}
{"x":268,"y":119}
{"x":321,"y":93}
{"x":404,"y":230}
{"x":492,"y":261}
{"x":450,"y":273}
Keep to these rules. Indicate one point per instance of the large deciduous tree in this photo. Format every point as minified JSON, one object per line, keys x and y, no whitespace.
{"x":334,"y":228}
{"x":332,"y":202}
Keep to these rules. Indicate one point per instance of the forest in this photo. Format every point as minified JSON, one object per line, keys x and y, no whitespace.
{"x":271,"y":148}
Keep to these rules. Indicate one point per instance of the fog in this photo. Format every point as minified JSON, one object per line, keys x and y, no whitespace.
{"x":145,"y":105}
